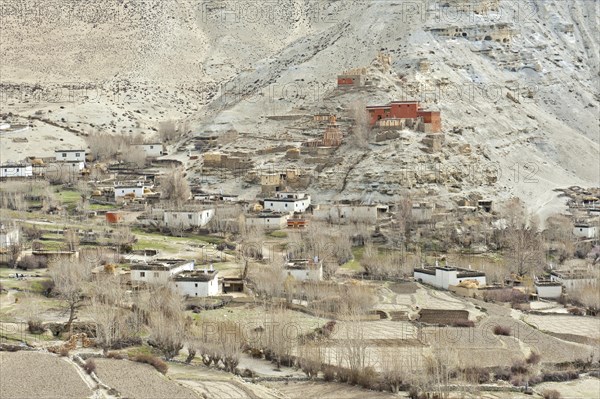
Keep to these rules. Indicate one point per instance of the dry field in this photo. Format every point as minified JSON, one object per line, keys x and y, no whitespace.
{"x":218,"y":384}
{"x":135,"y":380}
{"x":30,"y":375}
{"x":321,"y":390}
{"x":576,"y":325}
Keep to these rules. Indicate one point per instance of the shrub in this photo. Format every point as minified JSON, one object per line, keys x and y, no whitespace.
{"x":533,"y":358}
{"x":343,"y":374}
{"x":30,"y":262}
{"x":502,"y":330}
{"x":477,"y":375}
{"x":328,"y":373}
{"x":89,"y":366}
{"x":64,"y":352}
{"x":115,"y":355}
{"x":560,"y":376}
{"x":35,"y":326}
{"x":576,"y":311}
{"x":367,"y":378}
{"x":551,"y":394}
{"x":157,"y":363}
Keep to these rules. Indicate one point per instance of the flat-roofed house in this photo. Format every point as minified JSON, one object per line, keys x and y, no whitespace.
{"x":445,"y":276}
{"x":198,"y":283}
{"x":267,"y":220}
{"x":152,"y":150}
{"x":288,"y":202}
{"x":304,"y":269}
{"x":159,"y":270}
{"x":188,"y":219}
{"x":9,"y":170}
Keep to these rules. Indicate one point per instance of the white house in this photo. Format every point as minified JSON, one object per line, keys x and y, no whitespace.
{"x":288,"y":202}
{"x":159,"y":271}
{"x":16,"y":170}
{"x":198,"y":283}
{"x":152,"y":150}
{"x":267,"y":220}
{"x":548,"y":289}
{"x":443,"y":277}
{"x":9,"y":235}
{"x":585,"y":230}
{"x":187,"y":219}
{"x":304,"y":269}
{"x":136,"y":190}
{"x":70,"y":155}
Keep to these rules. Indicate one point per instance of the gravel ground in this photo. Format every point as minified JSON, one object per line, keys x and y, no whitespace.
{"x":135,"y":380}
{"x":29,"y":375}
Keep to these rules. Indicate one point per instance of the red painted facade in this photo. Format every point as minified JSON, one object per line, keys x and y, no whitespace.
{"x":406,"y":110}
{"x":345,"y":81}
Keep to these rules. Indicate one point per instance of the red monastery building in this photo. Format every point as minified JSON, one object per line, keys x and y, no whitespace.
{"x":406,"y":113}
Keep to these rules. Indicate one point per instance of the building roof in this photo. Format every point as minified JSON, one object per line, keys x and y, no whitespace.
{"x":69,"y":150}
{"x":300,"y":264}
{"x":160,"y":264}
{"x":197,"y":275}
{"x":461,"y":273}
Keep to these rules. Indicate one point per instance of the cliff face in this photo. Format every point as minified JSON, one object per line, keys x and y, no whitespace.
{"x":516,"y":82}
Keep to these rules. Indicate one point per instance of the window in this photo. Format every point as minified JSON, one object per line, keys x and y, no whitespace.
{"x":286,"y":205}
{"x":189,"y":216}
{"x":271,"y":204}
{"x":77,"y":154}
{"x":142,"y":274}
{"x":64,"y":154}
{"x":196,"y":285}
{"x":156,"y":274}
{"x":151,"y":147}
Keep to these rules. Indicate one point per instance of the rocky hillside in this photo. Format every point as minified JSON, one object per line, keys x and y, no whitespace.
{"x":516,"y":82}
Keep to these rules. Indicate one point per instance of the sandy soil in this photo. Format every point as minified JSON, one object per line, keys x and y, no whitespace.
{"x":135,"y":380}
{"x":29,"y":375}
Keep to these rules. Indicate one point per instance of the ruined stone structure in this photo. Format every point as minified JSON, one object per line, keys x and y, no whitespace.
{"x":331,"y":138}
{"x":501,"y":32}
{"x":402,"y":114}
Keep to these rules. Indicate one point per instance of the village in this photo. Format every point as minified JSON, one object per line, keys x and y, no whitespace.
{"x":140,"y":249}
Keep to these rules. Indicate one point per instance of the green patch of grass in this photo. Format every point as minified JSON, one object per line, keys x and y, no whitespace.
{"x":145,"y":243}
{"x":278,"y":234}
{"x":101,"y":207}
{"x":141,"y":350}
{"x":69,"y":197}
{"x":354,"y":263}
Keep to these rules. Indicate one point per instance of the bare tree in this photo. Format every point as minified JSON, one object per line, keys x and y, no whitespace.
{"x":164,"y":309}
{"x":71,"y":278}
{"x":71,"y":238}
{"x":169,"y":131}
{"x":109,"y":312}
{"x":133,"y":155}
{"x":175,"y":187}
{"x":14,"y":252}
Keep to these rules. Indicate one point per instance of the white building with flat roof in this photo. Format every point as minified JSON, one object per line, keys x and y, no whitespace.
{"x":9,"y":170}
{"x":267,"y":220}
{"x":288,"y":202}
{"x":198,"y":283}
{"x":445,"y":276}
{"x":70,"y":155}
{"x":159,"y":270}
{"x":188,"y":219}
{"x":303,"y":269}
{"x":585,"y":230}
{"x":152,"y":150}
